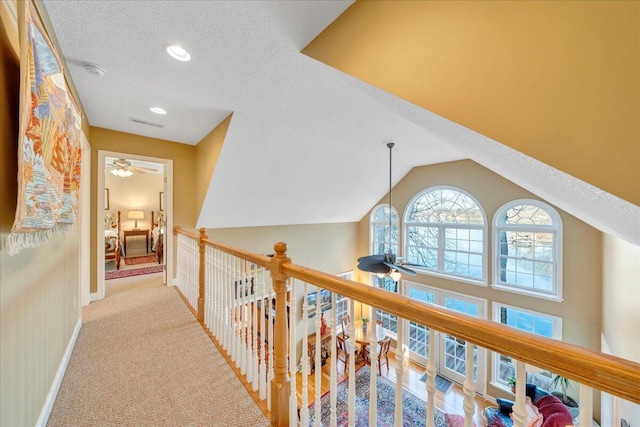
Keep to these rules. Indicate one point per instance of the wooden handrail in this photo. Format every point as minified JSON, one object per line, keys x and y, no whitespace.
{"x":617,"y":376}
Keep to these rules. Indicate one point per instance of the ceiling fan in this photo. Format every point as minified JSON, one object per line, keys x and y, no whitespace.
{"x":385,"y":264}
{"x":123,"y":168}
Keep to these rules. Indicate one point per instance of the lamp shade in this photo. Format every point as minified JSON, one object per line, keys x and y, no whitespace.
{"x":135,"y":215}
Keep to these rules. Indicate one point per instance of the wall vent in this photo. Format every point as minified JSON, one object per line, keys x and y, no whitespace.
{"x":144,"y":122}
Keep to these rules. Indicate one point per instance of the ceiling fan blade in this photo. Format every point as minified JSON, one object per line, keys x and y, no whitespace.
{"x":373,"y":268}
{"x":400,"y":268}
{"x":371,"y":259}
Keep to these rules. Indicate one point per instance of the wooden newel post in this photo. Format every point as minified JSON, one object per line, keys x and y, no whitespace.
{"x":281,"y":384}
{"x":201,"y":240}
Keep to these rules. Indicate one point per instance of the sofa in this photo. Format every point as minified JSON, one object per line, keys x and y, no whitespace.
{"x":543,"y":410}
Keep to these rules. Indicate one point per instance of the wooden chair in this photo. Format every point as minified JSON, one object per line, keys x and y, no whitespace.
{"x":113,"y":254}
{"x":383,"y":354}
{"x":343,"y":353}
{"x":346,"y":320}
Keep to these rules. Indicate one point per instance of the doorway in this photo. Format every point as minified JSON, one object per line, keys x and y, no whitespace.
{"x":449,"y":352}
{"x":165,"y":202}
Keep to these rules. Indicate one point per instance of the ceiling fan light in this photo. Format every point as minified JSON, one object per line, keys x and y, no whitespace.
{"x":395,"y":275}
{"x":380,"y":275}
{"x":114,"y":171}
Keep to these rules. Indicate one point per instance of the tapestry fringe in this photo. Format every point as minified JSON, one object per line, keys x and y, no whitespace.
{"x":17,"y":242}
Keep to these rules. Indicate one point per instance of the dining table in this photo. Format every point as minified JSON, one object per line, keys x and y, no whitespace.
{"x":375,"y":333}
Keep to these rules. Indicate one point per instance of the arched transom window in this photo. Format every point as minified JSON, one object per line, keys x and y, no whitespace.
{"x":528,"y":248}
{"x":445,"y":229}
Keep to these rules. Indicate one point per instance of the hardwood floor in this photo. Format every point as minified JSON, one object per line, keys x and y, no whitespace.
{"x":450,"y":403}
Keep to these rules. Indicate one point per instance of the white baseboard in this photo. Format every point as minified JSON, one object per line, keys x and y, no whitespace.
{"x":94,"y":296}
{"x":57,"y":381}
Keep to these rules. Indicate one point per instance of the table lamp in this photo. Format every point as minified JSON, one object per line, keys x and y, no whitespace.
{"x":136,"y":215}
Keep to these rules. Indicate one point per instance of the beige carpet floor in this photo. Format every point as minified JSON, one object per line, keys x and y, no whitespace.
{"x":142,"y":359}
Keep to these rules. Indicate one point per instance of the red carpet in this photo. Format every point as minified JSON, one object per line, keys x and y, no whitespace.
{"x":118,"y":274}
{"x":144,"y":259}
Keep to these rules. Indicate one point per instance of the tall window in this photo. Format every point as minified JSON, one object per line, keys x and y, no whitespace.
{"x":528,"y":248}
{"x":445,"y":229}
{"x":342,"y":302}
{"x":385,"y":240}
{"x":530,"y":321}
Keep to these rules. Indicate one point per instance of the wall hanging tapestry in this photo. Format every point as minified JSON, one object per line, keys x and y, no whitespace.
{"x":50,"y":143}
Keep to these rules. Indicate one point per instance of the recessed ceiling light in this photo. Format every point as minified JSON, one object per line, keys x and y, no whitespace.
{"x":158,"y":110}
{"x":94,"y":69}
{"x":177,"y":52}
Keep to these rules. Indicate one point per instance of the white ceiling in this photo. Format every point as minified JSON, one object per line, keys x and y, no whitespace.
{"x":306,"y":143}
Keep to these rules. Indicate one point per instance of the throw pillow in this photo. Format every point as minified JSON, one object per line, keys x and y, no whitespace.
{"x":530,"y":390}
{"x":504,"y":406}
{"x":534,"y":417}
{"x":554,"y":412}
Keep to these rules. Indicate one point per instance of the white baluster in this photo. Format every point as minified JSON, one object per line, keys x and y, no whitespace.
{"x":586,"y":406}
{"x":293,"y":398}
{"x":430,"y":383}
{"x":243,"y":317}
{"x":469,"y":388}
{"x":333,"y":380}
{"x":246,"y":310}
{"x":271,"y":340}
{"x":352,"y":364}
{"x":373,"y":380}
{"x":519,"y":414}
{"x":399,"y":368}
{"x":304,"y":407}
{"x":255,"y":333}
{"x":318,"y":363}
{"x":263,"y":360}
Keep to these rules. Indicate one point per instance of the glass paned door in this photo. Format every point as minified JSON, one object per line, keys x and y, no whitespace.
{"x":418,"y":336}
{"x":454,"y":350}
{"x":449,"y":352}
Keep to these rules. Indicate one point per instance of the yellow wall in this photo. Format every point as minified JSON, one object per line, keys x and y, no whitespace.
{"x":39,"y":288}
{"x":556,"y":80}
{"x":207,"y":154}
{"x":582,"y":274}
{"x":184,"y":176}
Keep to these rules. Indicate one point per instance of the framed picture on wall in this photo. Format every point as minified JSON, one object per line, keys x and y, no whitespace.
{"x":161,"y":200}
{"x":106,"y":199}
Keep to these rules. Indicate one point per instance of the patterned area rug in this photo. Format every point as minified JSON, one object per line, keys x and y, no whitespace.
{"x":414,"y":409}
{"x":144,"y":259}
{"x":443,"y":384}
{"x":118,"y":274}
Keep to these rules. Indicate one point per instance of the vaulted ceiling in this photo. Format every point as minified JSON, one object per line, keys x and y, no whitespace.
{"x":316,"y":131}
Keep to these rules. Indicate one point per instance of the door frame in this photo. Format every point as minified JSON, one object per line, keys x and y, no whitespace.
{"x":168,"y":209}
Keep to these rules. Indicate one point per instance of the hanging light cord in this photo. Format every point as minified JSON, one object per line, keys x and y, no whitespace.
{"x":390,"y":145}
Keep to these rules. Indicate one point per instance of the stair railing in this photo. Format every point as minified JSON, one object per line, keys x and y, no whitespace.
{"x":234,"y":300}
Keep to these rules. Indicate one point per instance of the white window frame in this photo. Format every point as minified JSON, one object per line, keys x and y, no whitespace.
{"x":439,"y":272}
{"x":342,"y":302}
{"x":556,"y":334}
{"x":555,"y":229}
{"x":381,"y":314}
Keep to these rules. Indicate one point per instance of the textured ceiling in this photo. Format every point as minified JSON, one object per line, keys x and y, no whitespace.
{"x":306,"y":143}
{"x":303,"y":142}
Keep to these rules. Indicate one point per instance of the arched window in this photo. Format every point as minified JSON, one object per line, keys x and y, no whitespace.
{"x":445,"y":229}
{"x":385,"y":240}
{"x":528,"y":248}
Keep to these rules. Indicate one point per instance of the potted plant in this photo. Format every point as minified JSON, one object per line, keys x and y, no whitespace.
{"x":365,"y":321}
{"x":564,"y":383}
{"x":511,"y":382}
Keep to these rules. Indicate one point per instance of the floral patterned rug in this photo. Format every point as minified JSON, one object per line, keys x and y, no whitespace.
{"x":414,"y":409}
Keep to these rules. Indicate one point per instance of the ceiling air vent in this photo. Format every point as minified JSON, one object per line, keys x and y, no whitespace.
{"x":144,"y":122}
